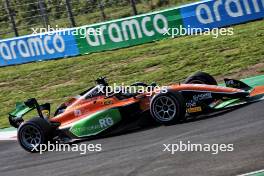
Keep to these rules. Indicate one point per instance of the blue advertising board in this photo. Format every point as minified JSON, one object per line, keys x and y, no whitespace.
{"x":220,"y":13}
{"x":37,"y":48}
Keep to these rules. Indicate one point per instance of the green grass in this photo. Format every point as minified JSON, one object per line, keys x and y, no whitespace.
{"x":164,"y":62}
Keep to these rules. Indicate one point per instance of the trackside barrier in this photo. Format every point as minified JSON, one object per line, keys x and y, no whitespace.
{"x":220,"y":13}
{"x":37,"y":48}
{"x":129,"y":31}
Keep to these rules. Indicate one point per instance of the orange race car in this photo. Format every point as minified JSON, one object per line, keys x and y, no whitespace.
{"x":98,"y":111}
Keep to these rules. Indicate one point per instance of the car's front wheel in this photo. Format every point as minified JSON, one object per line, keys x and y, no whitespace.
{"x":168,"y":108}
{"x":33,"y":133}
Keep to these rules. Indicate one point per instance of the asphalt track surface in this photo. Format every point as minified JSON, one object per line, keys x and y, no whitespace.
{"x":141,"y":152}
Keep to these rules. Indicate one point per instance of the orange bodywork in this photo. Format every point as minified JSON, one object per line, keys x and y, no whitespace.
{"x":81,"y":108}
{"x":257,"y":91}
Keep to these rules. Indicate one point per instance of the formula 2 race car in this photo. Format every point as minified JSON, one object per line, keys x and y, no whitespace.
{"x":93,"y":113}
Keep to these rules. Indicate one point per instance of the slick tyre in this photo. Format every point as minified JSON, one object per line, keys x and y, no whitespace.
{"x":168,"y":108}
{"x":201,"y":78}
{"x":33,"y":133}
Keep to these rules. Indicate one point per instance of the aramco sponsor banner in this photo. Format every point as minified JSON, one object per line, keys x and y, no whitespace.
{"x":220,"y":13}
{"x":37,"y":47}
{"x":128,"y":31}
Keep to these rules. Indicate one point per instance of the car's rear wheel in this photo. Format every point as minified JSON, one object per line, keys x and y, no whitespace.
{"x":33,"y":133}
{"x":168,"y":108}
{"x":201,"y":78}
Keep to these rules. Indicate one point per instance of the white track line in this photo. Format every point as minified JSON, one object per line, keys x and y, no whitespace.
{"x":8,"y":135}
{"x":251,"y":173}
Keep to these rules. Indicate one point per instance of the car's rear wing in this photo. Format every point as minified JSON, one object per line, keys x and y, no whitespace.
{"x":22,"y":108}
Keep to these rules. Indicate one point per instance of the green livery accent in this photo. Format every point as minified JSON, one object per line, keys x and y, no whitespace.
{"x":21,"y":110}
{"x":226,"y":103}
{"x":96,"y":123}
{"x":235,"y":102}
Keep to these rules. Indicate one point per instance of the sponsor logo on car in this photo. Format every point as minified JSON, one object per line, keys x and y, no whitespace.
{"x":232,"y":83}
{"x":77,"y":112}
{"x":86,"y":129}
{"x":190,"y":104}
{"x":203,"y":96}
{"x":108,"y":102}
{"x":106,"y":122}
{"x":194,"y":109}
{"x":101,"y":124}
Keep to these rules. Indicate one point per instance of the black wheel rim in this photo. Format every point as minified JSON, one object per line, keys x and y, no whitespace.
{"x":164,"y":108}
{"x":30,"y":136}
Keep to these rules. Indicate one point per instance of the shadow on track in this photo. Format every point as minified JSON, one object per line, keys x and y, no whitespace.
{"x":147,"y":123}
